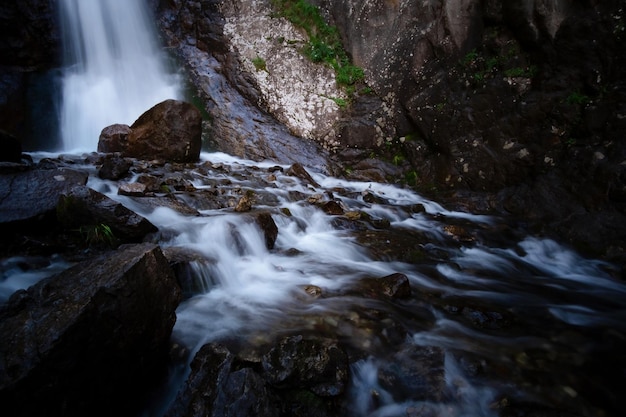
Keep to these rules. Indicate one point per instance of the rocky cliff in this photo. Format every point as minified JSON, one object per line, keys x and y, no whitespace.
{"x":514,"y":106}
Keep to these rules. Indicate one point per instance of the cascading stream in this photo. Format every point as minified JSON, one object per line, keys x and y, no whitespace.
{"x":524,"y":310}
{"x":115,"y":71}
{"x":516,"y":315}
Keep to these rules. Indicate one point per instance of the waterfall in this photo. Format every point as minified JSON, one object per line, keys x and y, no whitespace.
{"x":114,"y":71}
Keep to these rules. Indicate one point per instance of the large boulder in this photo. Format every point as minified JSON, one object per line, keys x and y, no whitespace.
{"x":30,"y":198}
{"x":114,"y":138}
{"x":217,"y":388}
{"x":91,"y":340}
{"x":85,"y":207}
{"x":171,"y":130}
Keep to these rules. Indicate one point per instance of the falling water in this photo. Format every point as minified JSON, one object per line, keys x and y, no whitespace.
{"x":114,"y":71}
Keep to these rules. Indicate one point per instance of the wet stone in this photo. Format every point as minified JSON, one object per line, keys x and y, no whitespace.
{"x":134,"y":189}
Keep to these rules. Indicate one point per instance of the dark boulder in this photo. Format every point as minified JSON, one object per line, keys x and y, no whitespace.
{"x":268,"y":226}
{"x":114,"y":167}
{"x":395,"y":286}
{"x":114,"y":138}
{"x":297,"y":170}
{"x":171,"y":130}
{"x":320,"y":366}
{"x":30,"y":198}
{"x":90,"y":341}
{"x":85,"y":207}
{"x":216,"y":387}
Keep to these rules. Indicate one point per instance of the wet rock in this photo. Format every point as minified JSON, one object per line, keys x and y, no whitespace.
{"x":297,"y":170}
{"x":318,"y":365}
{"x":114,"y":138}
{"x":216,"y":388}
{"x":171,"y":130}
{"x":391,"y":244}
{"x":84,"y":206}
{"x":415,"y":373}
{"x":333,"y":208}
{"x":269,"y":228}
{"x":192,"y":270}
{"x":30,"y":198}
{"x":395,"y":286}
{"x":485,"y":319}
{"x":132,"y":189}
{"x":91,"y":340}
{"x":245,"y":202}
{"x":114,"y":167}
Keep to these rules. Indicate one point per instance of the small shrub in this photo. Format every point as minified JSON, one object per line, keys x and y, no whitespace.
{"x":99,"y":234}
{"x":577,"y":98}
{"x":259,"y":63}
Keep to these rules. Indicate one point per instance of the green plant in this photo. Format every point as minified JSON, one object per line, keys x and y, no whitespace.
{"x":259,"y":63}
{"x":411,"y":178}
{"x":98,"y":234}
{"x":324,"y":45}
{"x":397,"y":159}
{"x":577,"y":97}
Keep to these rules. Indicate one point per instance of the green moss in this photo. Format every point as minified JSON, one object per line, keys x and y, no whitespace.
{"x":324,"y":45}
{"x":259,"y":63}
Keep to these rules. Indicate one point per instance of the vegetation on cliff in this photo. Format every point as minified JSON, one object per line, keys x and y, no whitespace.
{"x":324,"y":40}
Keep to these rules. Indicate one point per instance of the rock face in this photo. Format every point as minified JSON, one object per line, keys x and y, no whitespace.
{"x":32,"y":196}
{"x":29,"y":44}
{"x":503,"y":98}
{"x":171,"y":130}
{"x":10,"y":148}
{"x":240,"y":122}
{"x":83,"y":342}
{"x":297,"y":376}
{"x":84,"y":206}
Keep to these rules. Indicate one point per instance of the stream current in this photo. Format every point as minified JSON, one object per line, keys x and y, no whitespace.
{"x":520,"y":318}
{"x":525,"y":323}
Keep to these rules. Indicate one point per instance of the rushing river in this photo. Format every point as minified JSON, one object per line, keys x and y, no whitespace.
{"x":517,"y":316}
{"x":520,"y":318}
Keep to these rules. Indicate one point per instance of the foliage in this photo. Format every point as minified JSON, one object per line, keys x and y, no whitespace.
{"x":98,"y":234}
{"x":324,"y":45}
{"x":259,"y":63}
{"x":484,"y":65}
{"x":576,"y":97}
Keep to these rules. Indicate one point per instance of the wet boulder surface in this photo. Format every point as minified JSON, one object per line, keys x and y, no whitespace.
{"x":91,"y":339}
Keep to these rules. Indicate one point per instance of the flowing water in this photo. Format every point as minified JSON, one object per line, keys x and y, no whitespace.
{"x":520,"y":318}
{"x":115,"y":71}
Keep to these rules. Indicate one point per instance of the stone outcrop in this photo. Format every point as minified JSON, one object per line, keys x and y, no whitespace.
{"x":85,"y":207}
{"x":31,"y":197}
{"x":171,"y":131}
{"x":497,"y":100}
{"x":240,"y":123}
{"x":29,"y":46}
{"x":297,"y":376}
{"x":91,"y":340}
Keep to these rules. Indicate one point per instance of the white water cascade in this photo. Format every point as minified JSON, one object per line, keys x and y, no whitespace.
{"x":115,"y":71}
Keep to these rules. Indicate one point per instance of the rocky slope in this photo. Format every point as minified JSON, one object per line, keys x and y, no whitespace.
{"x":513,"y":106}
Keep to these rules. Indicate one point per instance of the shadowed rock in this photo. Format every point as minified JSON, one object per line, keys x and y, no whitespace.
{"x":91,"y":340}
